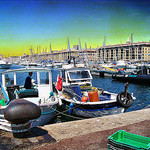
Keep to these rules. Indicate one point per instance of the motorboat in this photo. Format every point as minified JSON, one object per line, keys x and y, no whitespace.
{"x":18,"y":104}
{"x":141,"y":76}
{"x":4,"y":65}
{"x":79,"y":97}
{"x":120,"y":64}
{"x":57,"y":64}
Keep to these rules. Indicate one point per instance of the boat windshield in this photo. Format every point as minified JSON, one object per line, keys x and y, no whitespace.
{"x":79,"y":75}
{"x":21,"y":77}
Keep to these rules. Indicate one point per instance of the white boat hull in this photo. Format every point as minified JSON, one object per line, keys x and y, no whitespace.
{"x":97,"y":113}
{"x":89,"y":110}
{"x":46,"y":115}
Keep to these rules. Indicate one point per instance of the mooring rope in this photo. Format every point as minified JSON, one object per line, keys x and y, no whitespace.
{"x":59,"y":112}
{"x":63,"y":113}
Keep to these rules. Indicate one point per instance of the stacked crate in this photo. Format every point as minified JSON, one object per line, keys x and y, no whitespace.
{"x":122,"y":140}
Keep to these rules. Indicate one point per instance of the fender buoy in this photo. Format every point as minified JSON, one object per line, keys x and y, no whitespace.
{"x":70,"y":108}
{"x":84,"y":99}
{"x":124,"y":101}
{"x":59,"y":83}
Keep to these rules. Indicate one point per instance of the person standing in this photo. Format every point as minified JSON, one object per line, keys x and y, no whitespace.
{"x":28,"y":83}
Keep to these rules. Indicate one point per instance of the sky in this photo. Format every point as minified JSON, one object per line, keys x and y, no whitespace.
{"x":37,"y":23}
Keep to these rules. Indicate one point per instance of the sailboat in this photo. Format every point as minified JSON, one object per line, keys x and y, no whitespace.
{"x":50,"y":62}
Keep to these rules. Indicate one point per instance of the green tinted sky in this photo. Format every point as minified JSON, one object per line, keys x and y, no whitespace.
{"x":39,"y":22}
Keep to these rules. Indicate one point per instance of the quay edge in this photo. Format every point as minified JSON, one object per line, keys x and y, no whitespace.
{"x":85,"y":134}
{"x":93,"y":133}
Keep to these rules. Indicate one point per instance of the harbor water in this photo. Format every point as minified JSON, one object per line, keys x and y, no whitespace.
{"x":141,"y":92}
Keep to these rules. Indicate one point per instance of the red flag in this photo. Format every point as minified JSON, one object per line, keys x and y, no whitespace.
{"x":59,"y":83}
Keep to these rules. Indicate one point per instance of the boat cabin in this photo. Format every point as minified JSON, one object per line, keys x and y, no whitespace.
{"x":15,"y":79}
{"x":76,"y":75}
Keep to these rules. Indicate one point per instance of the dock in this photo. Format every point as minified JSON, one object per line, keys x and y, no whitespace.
{"x":85,"y":134}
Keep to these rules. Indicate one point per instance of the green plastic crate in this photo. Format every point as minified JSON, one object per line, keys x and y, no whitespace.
{"x":126,"y":140}
{"x":2,"y":102}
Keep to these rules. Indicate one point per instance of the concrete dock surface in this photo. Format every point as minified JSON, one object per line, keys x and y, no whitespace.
{"x":88,"y":134}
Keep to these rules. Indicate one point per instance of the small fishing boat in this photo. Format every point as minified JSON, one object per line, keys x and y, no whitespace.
{"x":28,"y":107}
{"x":77,"y":95}
{"x":141,"y":76}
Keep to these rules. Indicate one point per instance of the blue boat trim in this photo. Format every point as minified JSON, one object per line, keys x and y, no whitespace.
{"x":98,"y":109}
{"x":132,"y":76}
{"x":45,"y":113}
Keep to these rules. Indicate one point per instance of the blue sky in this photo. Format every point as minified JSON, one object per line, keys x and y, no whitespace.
{"x":41,"y":22}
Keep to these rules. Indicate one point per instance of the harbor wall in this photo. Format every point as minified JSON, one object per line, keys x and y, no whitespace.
{"x":92,"y":133}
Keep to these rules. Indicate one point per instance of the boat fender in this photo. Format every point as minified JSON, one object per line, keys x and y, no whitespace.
{"x":84,"y":99}
{"x":16,"y":92}
{"x":20,"y":111}
{"x":54,"y":87}
{"x":70,"y":108}
{"x":59,"y":101}
{"x":59,"y":83}
{"x":124,"y":101}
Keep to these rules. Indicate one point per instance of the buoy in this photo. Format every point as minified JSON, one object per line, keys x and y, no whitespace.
{"x":84,"y":99}
{"x":70,"y":108}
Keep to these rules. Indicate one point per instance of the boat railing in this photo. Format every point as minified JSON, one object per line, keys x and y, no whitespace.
{"x":5,"y":94}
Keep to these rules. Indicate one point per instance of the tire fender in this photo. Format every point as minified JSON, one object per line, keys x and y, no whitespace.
{"x":124,"y":101}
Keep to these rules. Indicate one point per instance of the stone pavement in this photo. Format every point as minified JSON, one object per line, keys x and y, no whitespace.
{"x":92,"y":133}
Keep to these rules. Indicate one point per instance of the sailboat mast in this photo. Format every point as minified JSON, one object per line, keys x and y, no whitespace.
{"x":104,"y":46}
{"x":51,"y":52}
{"x":86,"y":54}
{"x":69,"y":50}
{"x":131,"y":37}
{"x":104,"y":41}
{"x":80,"y":50}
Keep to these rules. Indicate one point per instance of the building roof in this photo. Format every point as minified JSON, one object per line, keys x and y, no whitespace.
{"x":127,"y":44}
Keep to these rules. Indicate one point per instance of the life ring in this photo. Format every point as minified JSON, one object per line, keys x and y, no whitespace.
{"x":124,"y":101}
